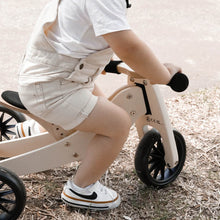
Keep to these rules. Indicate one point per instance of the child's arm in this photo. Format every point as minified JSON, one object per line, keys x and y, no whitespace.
{"x":136,"y":54}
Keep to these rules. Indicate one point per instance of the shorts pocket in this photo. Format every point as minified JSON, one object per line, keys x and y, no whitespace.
{"x":52,"y":94}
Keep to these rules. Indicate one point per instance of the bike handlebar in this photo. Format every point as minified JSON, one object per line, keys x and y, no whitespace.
{"x":179,"y":82}
{"x":111,"y":67}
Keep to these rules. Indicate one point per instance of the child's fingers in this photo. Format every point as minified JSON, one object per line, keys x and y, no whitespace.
{"x":172,"y":68}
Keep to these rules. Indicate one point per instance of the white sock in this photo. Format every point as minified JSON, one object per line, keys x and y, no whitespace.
{"x":80,"y":188}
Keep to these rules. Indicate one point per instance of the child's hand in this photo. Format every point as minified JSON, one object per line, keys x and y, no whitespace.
{"x":179,"y":81}
{"x":172,"y":68}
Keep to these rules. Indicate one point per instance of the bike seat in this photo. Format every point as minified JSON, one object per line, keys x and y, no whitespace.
{"x":13,"y":98}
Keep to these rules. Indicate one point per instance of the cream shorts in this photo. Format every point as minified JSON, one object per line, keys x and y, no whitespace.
{"x":59,"y":101}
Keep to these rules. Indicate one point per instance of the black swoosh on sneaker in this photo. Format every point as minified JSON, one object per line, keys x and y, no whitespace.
{"x":93,"y":196}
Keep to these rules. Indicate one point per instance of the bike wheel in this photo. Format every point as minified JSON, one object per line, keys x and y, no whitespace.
{"x":8,"y":119}
{"x":150,"y":162}
{"x":12,"y":195}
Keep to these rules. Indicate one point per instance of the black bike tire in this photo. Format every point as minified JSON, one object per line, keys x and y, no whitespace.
{"x":14,"y":182}
{"x":143,"y":153}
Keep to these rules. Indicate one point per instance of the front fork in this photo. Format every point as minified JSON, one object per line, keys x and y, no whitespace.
{"x":146,"y":107}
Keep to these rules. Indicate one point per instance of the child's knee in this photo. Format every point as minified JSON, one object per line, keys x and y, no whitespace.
{"x":122,"y":129}
{"x":126,"y":123}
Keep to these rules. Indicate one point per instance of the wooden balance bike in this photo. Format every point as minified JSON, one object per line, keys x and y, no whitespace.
{"x":159,"y":157}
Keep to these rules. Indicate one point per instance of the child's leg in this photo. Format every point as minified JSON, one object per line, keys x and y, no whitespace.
{"x":111,"y":125}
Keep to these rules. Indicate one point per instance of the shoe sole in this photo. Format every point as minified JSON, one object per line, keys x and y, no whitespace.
{"x":89,"y":205}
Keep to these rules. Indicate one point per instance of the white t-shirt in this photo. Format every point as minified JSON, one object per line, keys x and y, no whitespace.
{"x":80,"y":24}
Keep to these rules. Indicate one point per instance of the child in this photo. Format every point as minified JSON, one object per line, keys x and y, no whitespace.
{"x":72,"y":42}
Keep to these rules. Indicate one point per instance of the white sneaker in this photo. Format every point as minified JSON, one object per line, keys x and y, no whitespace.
{"x":95,"y":196}
{"x":27,"y":128}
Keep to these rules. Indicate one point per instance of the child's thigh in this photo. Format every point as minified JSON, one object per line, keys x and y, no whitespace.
{"x":106,"y":119}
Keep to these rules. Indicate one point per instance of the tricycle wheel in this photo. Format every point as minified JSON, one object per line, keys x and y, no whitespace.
{"x":12,"y":195}
{"x":150,"y":162}
{"x":8,"y":120}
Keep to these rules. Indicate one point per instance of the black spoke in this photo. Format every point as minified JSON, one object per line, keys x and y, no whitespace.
{"x":2,"y":116}
{"x":154,"y":149}
{"x":160,"y":147}
{"x":162,"y":172}
{"x":10,"y":126}
{"x":156,"y":171}
{"x":3,"y":208}
{"x":8,"y":120}
{"x":10,"y":132}
{"x":158,"y":151}
{"x":152,"y":160}
{"x":153,"y":166}
{"x":6,"y":136}
{"x":7,"y":192}
{"x":156,"y":155}
{"x":8,"y":201}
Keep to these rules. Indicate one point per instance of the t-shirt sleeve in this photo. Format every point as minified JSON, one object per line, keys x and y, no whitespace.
{"x":107,"y":15}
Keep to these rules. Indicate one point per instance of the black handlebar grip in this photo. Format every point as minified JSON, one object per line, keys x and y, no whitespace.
{"x":179,"y":82}
{"x":111,"y":67}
